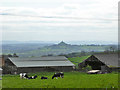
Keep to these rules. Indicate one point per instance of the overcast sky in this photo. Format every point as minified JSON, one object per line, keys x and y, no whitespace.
{"x":57,"y":20}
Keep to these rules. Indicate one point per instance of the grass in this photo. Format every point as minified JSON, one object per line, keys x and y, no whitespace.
{"x":70,"y":80}
{"x":77,"y":60}
{"x":0,"y":82}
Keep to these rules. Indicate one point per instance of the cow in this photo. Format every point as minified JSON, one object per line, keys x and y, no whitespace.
{"x":61,"y":74}
{"x":44,"y":77}
{"x":23,"y":75}
{"x":33,"y":77}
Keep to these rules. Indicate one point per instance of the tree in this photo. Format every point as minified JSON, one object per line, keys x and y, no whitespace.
{"x":9,"y":55}
{"x":15,"y":55}
{"x":113,"y":48}
{"x":50,"y":54}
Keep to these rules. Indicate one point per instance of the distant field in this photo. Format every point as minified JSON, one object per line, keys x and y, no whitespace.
{"x":39,"y":49}
{"x":70,"y":80}
{"x":77,"y":60}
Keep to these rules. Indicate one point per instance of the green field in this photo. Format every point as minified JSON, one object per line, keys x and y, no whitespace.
{"x":77,"y":60}
{"x":0,"y":82}
{"x":70,"y":80}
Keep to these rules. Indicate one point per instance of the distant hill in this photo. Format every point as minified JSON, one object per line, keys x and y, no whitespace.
{"x":37,"y":49}
{"x":64,"y":48}
{"x":70,"y":42}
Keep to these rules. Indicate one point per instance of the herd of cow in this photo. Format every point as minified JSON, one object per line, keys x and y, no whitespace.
{"x":56,"y":75}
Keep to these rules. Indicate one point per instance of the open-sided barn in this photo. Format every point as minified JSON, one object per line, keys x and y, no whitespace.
{"x":0,"y":71}
{"x":104,"y":62}
{"x":50,"y":63}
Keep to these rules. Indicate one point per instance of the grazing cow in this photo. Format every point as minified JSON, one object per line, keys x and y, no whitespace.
{"x":44,"y":77}
{"x":61,"y":74}
{"x":33,"y":77}
{"x":23,"y":75}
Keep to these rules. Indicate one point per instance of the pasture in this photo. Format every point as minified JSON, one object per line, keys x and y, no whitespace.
{"x":0,"y":82}
{"x":77,"y":60}
{"x":70,"y":80}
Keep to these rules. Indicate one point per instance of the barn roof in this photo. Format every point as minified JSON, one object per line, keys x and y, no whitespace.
{"x":47,"y":58}
{"x":41,"y":62}
{"x":110,"y":60}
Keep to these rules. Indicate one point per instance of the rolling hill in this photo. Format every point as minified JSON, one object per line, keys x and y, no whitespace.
{"x":63,"y":48}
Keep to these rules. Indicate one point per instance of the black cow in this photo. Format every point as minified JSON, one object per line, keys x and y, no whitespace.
{"x":44,"y":77}
{"x":30,"y":78}
{"x":61,"y":74}
{"x":33,"y":77}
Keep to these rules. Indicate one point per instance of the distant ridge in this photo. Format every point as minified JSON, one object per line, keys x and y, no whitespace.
{"x":57,"y":42}
{"x":36,"y":50}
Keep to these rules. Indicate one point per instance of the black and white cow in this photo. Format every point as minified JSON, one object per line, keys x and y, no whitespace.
{"x":23,"y":75}
{"x":44,"y":77}
{"x":61,"y":74}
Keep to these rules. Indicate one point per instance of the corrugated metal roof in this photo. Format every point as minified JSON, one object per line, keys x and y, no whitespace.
{"x":108,"y":59}
{"x":48,"y":58}
{"x":41,"y":62}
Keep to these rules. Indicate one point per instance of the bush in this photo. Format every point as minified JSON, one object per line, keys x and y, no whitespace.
{"x":87,"y":68}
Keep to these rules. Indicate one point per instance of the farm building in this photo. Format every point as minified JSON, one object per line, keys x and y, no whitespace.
{"x":50,"y":63}
{"x":1,"y":61}
{"x":0,"y":71}
{"x":103,"y":62}
{"x":4,"y":59}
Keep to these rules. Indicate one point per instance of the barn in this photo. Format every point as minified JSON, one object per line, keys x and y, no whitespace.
{"x":1,"y":61}
{"x":1,"y":64}
{"x":49,"y":63}
{"x":0,"y":71}
{"x":104,"y":62}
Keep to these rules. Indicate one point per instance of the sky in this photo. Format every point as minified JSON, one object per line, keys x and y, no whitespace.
{"x":59,"y":20}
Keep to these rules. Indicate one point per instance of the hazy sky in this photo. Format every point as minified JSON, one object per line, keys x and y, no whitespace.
{"x":57,"y":20}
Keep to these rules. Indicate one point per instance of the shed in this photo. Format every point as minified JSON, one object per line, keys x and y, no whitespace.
{"x":49,"y":63}
{"x":102,"y":61}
